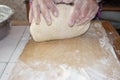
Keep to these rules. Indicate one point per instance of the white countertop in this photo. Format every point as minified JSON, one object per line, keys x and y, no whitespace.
{"x":11,"y":47}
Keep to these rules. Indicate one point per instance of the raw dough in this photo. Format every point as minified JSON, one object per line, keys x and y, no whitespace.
{"x":59,"y":28}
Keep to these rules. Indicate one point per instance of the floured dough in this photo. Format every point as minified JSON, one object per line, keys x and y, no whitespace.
{"x":59,"y":28}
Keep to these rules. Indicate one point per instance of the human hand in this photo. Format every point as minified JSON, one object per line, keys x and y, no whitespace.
{"x":84,"y":10}
{"x":42,"y":6}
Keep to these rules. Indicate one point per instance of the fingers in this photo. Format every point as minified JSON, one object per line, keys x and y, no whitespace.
{"x":92,"y":12}
{"x":88,"y":11}
{"x":36,"y":10}
{"x":84,"y":10}
{"x":31,"y":14}
{"x":45,"y":12}
{"x":42,"y":6}
{"x":75,"y":14}
{"x":93,"y":9}
{"x":52,"y":7}
{"x":73,"y":17}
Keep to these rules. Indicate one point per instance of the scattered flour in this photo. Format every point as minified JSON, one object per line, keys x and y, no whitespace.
{"x":54,"y":72}
{"x":61,"y":72}
{"x":104,"y":60}
{"x":77,"y":51}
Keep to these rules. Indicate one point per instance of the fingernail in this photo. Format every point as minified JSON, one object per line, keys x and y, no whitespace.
{"x":71,"y":23}
{"x":37,"y":22}
{"x":55,"y":14}
{"x":49,"y":21}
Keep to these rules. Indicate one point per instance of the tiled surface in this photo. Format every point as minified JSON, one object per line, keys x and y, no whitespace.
{"x":20,"y":46}
{"x":9,"y":43}
{"x":7,"y":72}
{"x":10,"y":49}
{"x":2,"y":67}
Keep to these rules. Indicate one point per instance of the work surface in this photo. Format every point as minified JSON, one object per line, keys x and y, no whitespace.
{"x":87,"y":57}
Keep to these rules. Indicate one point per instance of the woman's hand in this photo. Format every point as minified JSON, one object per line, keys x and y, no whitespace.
{"x":42,"y":6}
{"x":84,"y":10}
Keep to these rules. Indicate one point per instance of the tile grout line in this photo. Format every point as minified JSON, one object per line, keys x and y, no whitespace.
{"x":13,"y":52}
{"x":17,"y":44}
{"x":26,"y":35}
{"x":3,"y":70}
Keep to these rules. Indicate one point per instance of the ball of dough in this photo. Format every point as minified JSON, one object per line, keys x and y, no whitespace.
{"x":59,"y":28}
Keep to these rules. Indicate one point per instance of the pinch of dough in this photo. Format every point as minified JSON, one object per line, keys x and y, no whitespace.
{"x":59,"y":28}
